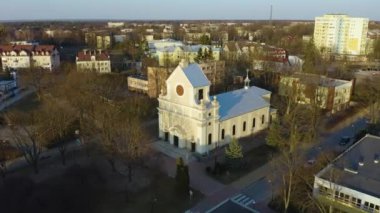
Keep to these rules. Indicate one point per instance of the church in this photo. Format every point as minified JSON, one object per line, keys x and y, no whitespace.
{"x":189,"y":118}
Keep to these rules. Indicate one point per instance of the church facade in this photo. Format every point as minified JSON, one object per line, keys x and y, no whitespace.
{"x":190,"y":118}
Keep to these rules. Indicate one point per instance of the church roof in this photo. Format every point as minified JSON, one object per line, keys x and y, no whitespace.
{"x":196,"y":76}
{"x":241,"y":101}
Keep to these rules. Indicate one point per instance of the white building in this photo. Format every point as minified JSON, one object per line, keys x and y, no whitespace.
{"x":172,"y":51}
{"x":189,"y":118}
{"x":115,"y":24}
{"x":341,"y":34}
{"x":138,"y":83}
{"x":25,"y":56}
{"x":93,"y":60}
{"x":351,"y":183}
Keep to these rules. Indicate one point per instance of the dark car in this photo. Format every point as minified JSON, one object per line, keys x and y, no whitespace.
{"x":344,"y":140}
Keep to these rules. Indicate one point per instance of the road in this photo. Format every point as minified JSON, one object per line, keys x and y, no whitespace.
{"x":330,"y":141}
{"x":262,"y":190}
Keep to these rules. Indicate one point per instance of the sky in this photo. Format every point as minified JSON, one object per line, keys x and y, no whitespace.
{"x":183,"y":9}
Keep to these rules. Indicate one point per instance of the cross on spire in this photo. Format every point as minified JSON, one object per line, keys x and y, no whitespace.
{"x":247,"y":81}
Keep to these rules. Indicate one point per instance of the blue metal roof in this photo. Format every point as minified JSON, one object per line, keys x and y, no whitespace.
{"x":196,"y":76}
{"x":241,"y":101}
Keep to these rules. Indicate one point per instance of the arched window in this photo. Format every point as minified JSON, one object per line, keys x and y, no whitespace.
{"x":262,"y":119}
{"x":209,"y":139}
{"x":233,"y":130}
{"x":244,"y":124}
{"x":222,"y":134}
{"x":253,"y":122}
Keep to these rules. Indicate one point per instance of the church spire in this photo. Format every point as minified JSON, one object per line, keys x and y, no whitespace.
{"x":247,"y":81}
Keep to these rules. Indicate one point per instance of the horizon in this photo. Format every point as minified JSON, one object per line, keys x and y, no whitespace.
{"x":171,"y":10}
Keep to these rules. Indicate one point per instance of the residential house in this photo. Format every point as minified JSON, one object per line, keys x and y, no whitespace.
{"x":27,"y":56}
{"x":329,"y":94}
{"x":93,"y":61}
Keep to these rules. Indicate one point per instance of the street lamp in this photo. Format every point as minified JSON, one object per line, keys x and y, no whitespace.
{"x":271,"y":187}
{"x":154,"y":201}
{"x":77,"y":135}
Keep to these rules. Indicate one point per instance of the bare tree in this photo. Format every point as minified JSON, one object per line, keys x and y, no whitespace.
{"x":29,"y":135}
{"x":7,"y":152}
{"x":132,"y":145}
{"x":59,"y":118}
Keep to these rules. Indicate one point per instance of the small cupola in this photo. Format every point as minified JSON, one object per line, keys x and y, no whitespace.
{"x":247,"y":81}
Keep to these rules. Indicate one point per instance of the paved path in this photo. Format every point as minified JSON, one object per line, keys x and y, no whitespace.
{"x":173,"y":152}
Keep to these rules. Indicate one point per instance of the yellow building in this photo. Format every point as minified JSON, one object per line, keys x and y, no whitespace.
{"x":174,"y":54}
{"x":329,"y":94}
{"x":341,"y":34}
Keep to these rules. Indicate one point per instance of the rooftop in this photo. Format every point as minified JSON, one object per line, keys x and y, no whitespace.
{"x":241,"y":101}
{"x":195,"y":75}
{"x":324,"y":81}
{"x":99,"y":55}
{"x":356,"y":168}
{"x":30,"y":49}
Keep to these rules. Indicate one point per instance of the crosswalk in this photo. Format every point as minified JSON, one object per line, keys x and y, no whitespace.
{"x":243,"y":200}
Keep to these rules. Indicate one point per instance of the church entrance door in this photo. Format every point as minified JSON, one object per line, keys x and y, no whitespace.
{"x":166,"y":136}
{"x":193,"y":147}
{"x":175,"y":139}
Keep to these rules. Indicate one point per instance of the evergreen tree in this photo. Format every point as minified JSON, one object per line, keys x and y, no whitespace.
{"x":182,"y":177}
{"x":199,"y":56}
{"x":210,"y":55}
{"x":376,"y":50}
{"x":312,"y":58}
{"x":234,"y":154}
{"x":274,"y":138}
{"x":234,"y":150}
{"x":205,"y":40}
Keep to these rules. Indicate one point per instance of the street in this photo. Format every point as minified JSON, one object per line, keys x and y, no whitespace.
{"x":262,"y":190}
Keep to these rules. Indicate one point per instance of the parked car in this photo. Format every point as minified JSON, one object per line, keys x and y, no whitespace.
{"x":344,"y":140}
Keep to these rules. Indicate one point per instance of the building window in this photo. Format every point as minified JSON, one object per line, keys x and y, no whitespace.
{"x":253,"y":122}
{"x":262,"y":119}
{"x":233,"y":130}
{"x":366,"y":204}
{"x":222,"y":134}
{"x":244,"y":124}
{"x":209,"y":139}
{"x":200,"y":94}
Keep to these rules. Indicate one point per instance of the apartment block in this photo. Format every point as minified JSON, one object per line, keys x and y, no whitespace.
{"x":341,"y":34}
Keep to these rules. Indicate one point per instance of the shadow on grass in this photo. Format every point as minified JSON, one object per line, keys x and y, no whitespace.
{"x":160,"y":196}
{"x":252,"y":160}
{"x":82,"y":189}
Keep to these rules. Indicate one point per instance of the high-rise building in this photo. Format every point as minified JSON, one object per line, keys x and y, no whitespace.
{"x":341,"y":34}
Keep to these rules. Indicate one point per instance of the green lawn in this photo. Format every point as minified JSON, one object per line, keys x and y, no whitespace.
{"x":253,"y":159}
